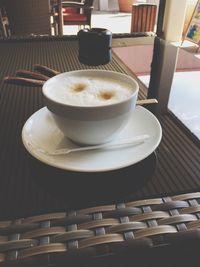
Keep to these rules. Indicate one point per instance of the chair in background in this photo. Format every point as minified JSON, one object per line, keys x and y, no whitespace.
{"x":143,"y":17}
{"x":27,"y":17}
{"x":73,"y":13}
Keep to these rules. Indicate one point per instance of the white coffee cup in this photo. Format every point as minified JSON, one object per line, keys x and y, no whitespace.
{"x":85,"y":117}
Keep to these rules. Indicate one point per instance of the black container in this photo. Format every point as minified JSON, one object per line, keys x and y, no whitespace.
{"x":95,"y":46}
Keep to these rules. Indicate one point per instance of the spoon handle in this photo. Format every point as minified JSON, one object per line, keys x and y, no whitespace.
{"x":131,"y":141}
{"x":147,"y":101}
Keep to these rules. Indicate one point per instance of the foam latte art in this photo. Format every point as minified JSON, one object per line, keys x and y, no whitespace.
{"x":90,"y":91}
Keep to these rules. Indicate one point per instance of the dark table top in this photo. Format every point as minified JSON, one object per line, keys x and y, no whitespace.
{"x":28,"y":187}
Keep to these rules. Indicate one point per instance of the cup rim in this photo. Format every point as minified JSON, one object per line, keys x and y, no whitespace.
{"x":45,"y":90}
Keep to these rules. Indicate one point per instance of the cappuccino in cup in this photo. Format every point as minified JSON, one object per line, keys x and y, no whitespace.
{"x":91,"y":106}
{"x":91,"y":91}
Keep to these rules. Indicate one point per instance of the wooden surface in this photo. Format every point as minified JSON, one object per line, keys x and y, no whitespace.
{"x":143,"y":18}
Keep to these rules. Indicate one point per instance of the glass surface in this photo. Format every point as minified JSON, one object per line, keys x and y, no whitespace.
{"x":171,"y":74}
{"x":185,"y":94}
{"x":137,"y":56}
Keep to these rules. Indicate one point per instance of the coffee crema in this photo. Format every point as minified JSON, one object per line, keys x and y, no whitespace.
{"x":90,"y":91}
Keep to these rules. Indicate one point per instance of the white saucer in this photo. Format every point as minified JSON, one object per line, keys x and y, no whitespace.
{"x":41,"y":134}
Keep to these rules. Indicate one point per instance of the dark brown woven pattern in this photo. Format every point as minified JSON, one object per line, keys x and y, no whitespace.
{"x":101,"y":230}
{"x":178,"y":157}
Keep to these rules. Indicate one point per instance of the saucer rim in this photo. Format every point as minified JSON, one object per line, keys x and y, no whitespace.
{"x":99,"y":170}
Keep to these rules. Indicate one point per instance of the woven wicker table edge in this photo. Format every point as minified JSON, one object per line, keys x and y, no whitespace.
{"x":134,"y":226}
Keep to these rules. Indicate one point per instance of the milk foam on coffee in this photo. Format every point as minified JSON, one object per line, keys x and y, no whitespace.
{"x":90,"y":91}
